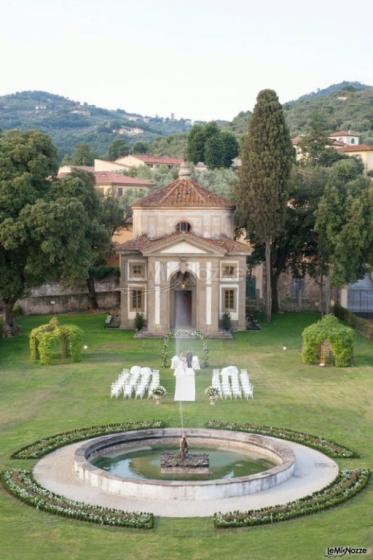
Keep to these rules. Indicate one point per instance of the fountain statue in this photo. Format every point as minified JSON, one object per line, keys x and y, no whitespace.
{"x":184,"y":447}
{"x":184,"y":462}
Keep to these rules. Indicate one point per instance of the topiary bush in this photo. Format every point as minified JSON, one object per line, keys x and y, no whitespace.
{"x":328,"y":329}
{"x":139,"y":322}
{"x":226,"y":321}
{"x":44,"y":341}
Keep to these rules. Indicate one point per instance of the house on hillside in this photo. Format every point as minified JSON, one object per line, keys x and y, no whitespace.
{"x":345,"y":137}
{"x":183,"y":268}
{"x":362,"y":151}
{"x":110,"y":182}
{"x":138,"y":160}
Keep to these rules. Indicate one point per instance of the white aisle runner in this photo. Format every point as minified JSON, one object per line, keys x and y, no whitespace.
{"x":185,"y":389}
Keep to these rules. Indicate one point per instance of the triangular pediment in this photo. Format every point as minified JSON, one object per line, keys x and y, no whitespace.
{"x":183,"y":245}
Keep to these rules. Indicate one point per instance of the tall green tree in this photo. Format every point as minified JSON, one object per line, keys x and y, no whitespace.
{"x":118,"y":148}
{"x":83,"y":155}
{"x":196,"y":143}
{"x":267,"y":157}
{"x":140,"y":147}
{"x":50,"y":229}
{"x":26,"y":160}
{"x":101,"y":220}
{"x":214,"y":150}
{"x":344,"y":221}
{"x":231,"y":147}
{"x":213,"y":146}
{"x":295,"y":247}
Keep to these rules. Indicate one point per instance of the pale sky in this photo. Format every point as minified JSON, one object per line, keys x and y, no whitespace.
{"x":203,"y":59}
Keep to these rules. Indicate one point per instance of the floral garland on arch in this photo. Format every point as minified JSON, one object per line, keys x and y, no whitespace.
{"x":184,"y":333}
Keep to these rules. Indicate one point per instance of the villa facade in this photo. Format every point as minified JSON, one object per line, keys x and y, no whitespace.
{"x":183,"y":268}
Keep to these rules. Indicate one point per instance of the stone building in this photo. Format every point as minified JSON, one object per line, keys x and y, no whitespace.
{"x":183,"y":268}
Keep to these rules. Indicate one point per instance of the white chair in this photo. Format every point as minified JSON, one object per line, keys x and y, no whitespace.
{"x":127,"y":392}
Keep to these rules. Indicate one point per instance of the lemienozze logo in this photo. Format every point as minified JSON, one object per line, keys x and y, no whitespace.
{"x":339,"y":551}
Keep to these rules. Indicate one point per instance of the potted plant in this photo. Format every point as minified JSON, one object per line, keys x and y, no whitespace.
{"x":213,"y":394}
{"x":139,"y":322}
{"x":158,"y":393}
{"x":226,"y":322}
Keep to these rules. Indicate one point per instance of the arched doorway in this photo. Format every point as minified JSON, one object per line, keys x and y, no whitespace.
{"x":183,"y":300}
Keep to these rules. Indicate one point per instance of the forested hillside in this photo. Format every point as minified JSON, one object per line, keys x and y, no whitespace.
{"x":348,"y":105}
{"x":70,"y":123}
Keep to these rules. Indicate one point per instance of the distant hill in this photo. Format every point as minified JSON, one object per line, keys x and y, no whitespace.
{"x":347,"y":105}
{"x":69,"y":122}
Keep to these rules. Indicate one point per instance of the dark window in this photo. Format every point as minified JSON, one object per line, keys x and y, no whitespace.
{"x":229,"y":270}
{"x":229,"y":297}
{"x":137,"y":270}
{"x":183,"y":227}
{"x":137,"y":300}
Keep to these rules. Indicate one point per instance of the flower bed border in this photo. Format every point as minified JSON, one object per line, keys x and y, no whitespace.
{"x":329,"y":447}
{"x":347,"y":484}
{"x":45,"y":445}
{"x":22,"y":485}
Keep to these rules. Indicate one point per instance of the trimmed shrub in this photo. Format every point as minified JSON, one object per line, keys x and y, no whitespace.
{"x":21,"y":484}
{"x":347,"y":484}
{"x":328,"y":329}
{"x":44,"y":341}
{"x":327,"y":446}
{"x":139,"y":322}
{"x":361,"y":325}
{"x":226,"y":321}
{"x":43,"y":446}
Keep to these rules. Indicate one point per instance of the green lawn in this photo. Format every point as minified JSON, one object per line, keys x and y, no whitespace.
{"x":38,"y":401}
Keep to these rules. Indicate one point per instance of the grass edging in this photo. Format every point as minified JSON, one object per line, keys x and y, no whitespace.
{"x":22,"y":485}
{"x":330,"y":448}
{"x":347,"y":484}
{"x":43,"y":446}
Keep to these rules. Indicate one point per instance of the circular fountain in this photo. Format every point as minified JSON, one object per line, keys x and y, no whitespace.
{"x":116,"y":464}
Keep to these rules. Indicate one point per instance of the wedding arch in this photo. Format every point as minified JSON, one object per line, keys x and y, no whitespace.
{"x":184,"y":333}
{"x":45,"y":339}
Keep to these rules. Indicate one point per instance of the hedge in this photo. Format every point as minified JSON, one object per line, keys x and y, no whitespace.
{"x":21,"y":484}
{"x":326,"y":446}
{"x":329,"y":329}
{"x":43,"y":446}
{"x":361,"y":325}
{"x":347,"y":484}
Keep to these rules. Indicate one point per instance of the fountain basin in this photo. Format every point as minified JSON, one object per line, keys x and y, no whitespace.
{"x":280,"y":455}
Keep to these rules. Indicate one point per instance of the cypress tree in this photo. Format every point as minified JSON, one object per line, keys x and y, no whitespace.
{"x":267,"y":157}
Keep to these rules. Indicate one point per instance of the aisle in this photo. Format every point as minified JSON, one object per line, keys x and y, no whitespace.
{"x":185,"y":388}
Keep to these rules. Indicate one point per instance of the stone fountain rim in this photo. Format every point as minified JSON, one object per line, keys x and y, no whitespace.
{"x":84,"y":452}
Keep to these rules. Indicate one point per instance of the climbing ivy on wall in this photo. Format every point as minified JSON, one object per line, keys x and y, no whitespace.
{"x":45,"y":339}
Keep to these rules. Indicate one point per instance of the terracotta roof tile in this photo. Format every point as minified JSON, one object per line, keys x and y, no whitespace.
{"x":343,"y":133}
{"x":183,"y":193}
{"x":357,"y":148}
{"x":111,"y":178}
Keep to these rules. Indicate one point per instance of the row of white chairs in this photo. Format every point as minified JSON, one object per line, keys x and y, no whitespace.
{"x":135,"y":382}
{"x":232,"y":384}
